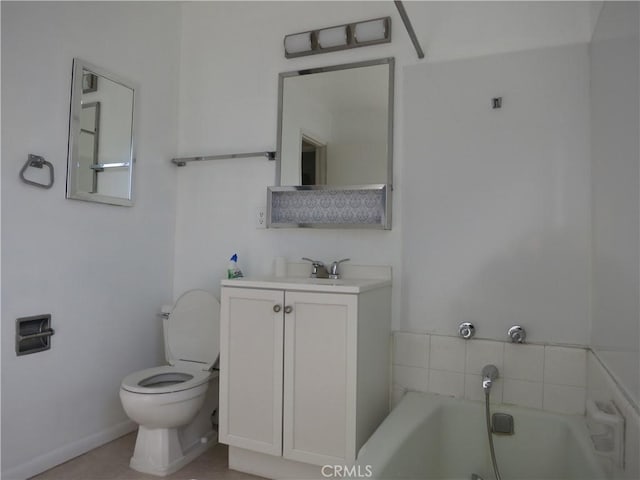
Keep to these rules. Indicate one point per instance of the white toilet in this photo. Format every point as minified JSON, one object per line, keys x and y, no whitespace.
{"x":174,"y":404}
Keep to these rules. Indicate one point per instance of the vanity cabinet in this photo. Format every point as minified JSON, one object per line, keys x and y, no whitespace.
{"x":304,"y":373}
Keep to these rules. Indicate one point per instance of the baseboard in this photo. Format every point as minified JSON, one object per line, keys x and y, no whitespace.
{"x":67,"y":452}
{"x":270,"y":466}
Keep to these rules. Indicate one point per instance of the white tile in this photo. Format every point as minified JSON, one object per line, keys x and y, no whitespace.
{"x":564,"y":399}
{"x":446,"y":383}
{"x":473,"y":389}
{"x":597,"y":384}
{"x":411,"y":349}
{"x":522,"y":393}
{"x":481,"y":353}
{"x":565,"y":366}
{"x":411,"y":378}
{"x":524,"y":362}
{"x":447,"y":353}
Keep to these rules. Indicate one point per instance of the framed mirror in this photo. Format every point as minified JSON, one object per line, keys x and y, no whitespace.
{"x":336,"y":125}
{"x":101,"y":151}
{"x":335,"y":133}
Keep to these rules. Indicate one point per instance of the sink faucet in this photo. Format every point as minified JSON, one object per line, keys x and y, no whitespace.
{"x":489,"y":375}
{"x":318,"y":270}
{"x":333,"y":271}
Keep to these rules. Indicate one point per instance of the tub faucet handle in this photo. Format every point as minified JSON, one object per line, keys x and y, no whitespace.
{"x":517,"y":334}
{"x":466,"y":330}
{"x":333,"y":271}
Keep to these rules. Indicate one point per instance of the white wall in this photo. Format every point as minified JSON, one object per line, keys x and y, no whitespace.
{"x":615,"y":89}
{"x":82,"y":261}
{"x":498,"y":200}
{"x":228,"y":103}
{"x":101,"y":271}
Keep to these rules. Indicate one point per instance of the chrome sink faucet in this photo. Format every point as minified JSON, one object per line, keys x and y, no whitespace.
{"x":333,"y":271}
{"x":318,"y":270}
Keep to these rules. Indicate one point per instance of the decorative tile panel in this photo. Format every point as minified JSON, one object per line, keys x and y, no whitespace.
{"x":290,"y":207}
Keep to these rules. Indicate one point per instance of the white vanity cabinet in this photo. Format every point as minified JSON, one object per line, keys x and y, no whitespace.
{"x":304,"y":368}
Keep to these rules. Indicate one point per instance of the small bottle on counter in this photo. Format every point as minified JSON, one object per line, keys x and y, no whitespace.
{"x":233,"y":270}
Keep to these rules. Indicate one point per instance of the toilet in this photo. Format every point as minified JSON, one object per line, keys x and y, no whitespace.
{"x":174,"y":405}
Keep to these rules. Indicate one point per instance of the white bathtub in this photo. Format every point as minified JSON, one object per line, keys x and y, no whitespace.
{"x":434,"y":437}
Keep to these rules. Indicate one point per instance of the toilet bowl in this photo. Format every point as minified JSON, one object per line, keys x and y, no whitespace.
{"x":173,"y":404}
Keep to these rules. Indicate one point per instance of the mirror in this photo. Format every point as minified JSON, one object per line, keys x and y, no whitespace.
{"x":336,"y":125}
{"x":101,"y":136}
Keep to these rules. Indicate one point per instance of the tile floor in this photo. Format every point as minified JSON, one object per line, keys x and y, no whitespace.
{"x":111,"y":462}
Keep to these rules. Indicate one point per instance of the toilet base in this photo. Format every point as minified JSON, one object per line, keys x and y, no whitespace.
{"x":159,"y":452}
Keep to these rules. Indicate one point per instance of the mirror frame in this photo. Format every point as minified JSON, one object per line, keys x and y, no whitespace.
{"x":79,"y":66}
{"x":384,"y":189}
{"x":390,"y":61}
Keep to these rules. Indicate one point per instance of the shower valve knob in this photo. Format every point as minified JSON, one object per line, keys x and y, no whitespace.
{"x":517,"y":334}
{"x":466,"y":330}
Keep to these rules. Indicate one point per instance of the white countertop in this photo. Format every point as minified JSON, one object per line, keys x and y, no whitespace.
{"x":327,"y":285}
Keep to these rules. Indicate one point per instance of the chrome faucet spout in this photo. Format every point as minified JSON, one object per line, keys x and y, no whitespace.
{"x":489,"y":375}
{"x":487,"y":383}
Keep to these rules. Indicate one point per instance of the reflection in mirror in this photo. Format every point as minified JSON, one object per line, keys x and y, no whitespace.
{"x":336,"y":125}
{"x":101,"y":139}
{"x":88,"y":146}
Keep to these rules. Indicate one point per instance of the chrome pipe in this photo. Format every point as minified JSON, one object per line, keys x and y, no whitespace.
{"x":409,"y":27}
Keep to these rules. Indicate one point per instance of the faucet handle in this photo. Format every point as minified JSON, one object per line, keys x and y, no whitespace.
{"x":517,"y":334}
{"x":333,"y":271}
{"x":315,"y":263}
{"x":318,"y":270}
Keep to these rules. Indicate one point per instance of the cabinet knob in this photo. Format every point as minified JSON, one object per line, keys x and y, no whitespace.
{"x":277,"y":308}
{"x":288,"y":309}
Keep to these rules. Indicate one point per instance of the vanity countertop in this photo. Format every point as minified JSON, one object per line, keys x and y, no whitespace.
{"x":327,"y":285}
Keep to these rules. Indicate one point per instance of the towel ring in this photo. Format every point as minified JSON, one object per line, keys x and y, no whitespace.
{"x":37,"y":161}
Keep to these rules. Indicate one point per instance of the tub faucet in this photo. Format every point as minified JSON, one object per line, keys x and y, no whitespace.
{"x":489,"y":374}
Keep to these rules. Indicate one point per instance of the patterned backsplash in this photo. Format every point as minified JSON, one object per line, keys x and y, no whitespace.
{"x":328,"y":207}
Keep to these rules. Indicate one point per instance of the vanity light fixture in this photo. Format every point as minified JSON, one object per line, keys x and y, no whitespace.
{"x":340,"y":37}
{"x":333,"y":37}
{"x":366,"y":32}
{"x":298,"y":44}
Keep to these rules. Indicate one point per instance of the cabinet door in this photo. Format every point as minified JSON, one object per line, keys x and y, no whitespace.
{"x":320,"y":373}
{"x":251,"y":336}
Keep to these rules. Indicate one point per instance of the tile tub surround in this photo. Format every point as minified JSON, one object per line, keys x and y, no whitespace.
{"x":548,"y":377}
{"x":601,"y":386}
{"x":552,"y":378}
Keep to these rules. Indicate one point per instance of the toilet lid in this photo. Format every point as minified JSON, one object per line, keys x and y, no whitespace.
{"x":193,"y":329}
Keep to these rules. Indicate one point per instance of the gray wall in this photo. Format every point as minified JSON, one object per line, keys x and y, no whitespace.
{"x":101,"y":271}
{"x":615,"y":171}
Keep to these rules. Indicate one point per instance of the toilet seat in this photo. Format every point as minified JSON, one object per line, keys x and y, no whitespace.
{"x":193,"y":330}
{"x":165,"y":379}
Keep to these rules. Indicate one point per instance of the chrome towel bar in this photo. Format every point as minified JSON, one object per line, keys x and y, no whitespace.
{"x":181,"y":162}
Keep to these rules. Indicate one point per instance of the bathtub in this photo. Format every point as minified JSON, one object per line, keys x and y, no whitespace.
{"x":435,"y":437}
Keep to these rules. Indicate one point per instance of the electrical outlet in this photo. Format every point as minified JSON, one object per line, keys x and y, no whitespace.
{"x":261,"y":217}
